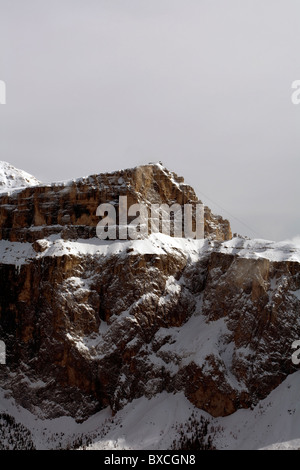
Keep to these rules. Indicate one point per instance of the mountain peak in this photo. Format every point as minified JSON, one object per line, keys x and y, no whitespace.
{"x":13,"y":178}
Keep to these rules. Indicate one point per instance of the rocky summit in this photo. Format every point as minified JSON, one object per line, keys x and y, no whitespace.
{"x":93,"y":325}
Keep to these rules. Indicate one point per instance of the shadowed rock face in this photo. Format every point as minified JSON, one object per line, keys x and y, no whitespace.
{"x":89,"y":327}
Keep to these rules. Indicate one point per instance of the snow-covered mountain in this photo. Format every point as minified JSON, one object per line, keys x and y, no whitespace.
{"x":155,"y":343}
{"x":13,"y":178}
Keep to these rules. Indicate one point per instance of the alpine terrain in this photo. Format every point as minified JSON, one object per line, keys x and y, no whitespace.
{"x":156,"y":343}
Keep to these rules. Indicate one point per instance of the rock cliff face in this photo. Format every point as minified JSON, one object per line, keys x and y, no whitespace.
{"x":69,"y":209}
{"x":90,"y":323}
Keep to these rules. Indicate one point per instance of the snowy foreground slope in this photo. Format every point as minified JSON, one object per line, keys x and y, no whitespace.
{"x":156,"y":424}
{"x":273,"y":424}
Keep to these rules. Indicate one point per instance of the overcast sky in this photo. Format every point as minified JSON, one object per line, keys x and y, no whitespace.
{"x":202,"y":85}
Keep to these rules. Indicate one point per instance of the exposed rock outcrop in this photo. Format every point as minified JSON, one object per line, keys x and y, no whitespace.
{"x":70,"y":208}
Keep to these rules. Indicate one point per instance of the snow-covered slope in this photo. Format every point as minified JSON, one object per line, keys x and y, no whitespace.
{"x":157,"y":423}
{"x":156,"y":244}
{"x":13,"y":178}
